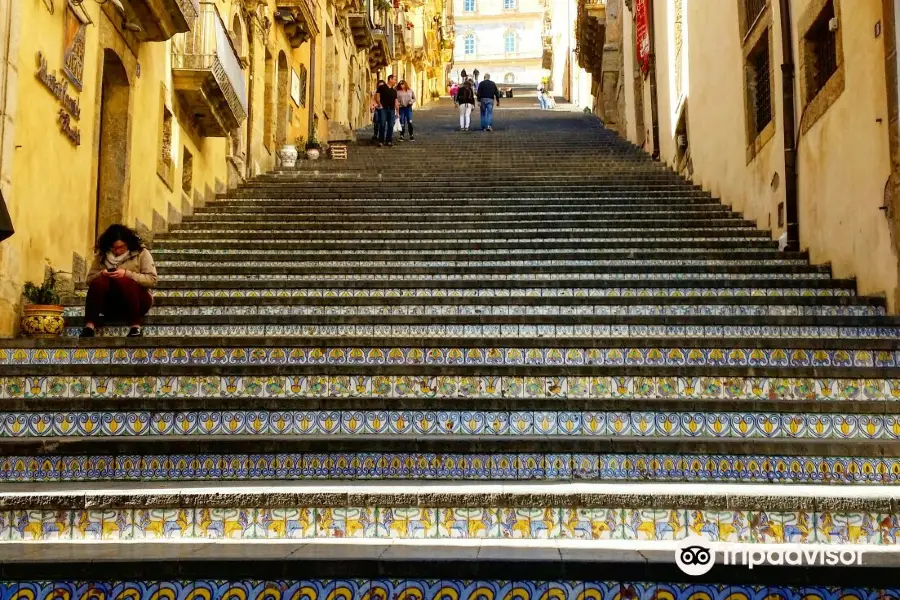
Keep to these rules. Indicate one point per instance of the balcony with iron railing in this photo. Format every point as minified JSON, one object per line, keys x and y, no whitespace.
{"x":206,"y":73}
{"x":382,"y":52}
{"x":596,"y":9}
{"x":160,"y":20}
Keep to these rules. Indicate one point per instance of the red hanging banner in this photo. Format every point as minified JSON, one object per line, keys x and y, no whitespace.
{"x":642,"y":27}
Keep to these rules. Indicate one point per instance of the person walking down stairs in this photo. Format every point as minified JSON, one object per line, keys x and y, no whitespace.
{"x":465,"y":99}
{"x":376,"y":114}
{"x":542,"y":99}
{"x":119,"y":281}
{"x":406,"y":98}
{"x":389,"y":107}
{"x":487,"y":95}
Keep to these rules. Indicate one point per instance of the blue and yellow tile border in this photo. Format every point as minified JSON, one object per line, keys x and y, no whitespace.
{"x":698,"y":468}
{"x":452,"y":386}
{"x":441,"y":423}
{"x":424,"y":589}
{"x":423,"y":522}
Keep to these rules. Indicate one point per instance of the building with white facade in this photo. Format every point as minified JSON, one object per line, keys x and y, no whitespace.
{"x":567,"y":80}
{"x":500,"y":37}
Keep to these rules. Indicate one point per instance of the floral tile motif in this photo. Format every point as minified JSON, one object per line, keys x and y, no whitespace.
{"x":445,"y":423}
{"x":389,"y":386}
{"x":478,"y":467}
{"x":401,"y":385}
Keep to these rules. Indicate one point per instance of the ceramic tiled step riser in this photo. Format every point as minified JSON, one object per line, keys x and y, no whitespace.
{"x":378,"y":206}
{"x":507,"y":425}
{"x":432,"y":523}
{"x":690,"y":238}
{"x":416,"y":213}
{"x":274,"y":225}
{"x":161,"y":309}
{"x":497,"y":361}
{"x":188,"y":253}
{"x":776,"y":289}
{"x":151,"y":329}
{"x":469,"y":246}
{"x":600,"y":467}
{"x":289,"y":263}
{"x":308,"y":518}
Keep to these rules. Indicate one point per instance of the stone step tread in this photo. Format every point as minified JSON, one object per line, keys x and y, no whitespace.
{"x":468,"y":266}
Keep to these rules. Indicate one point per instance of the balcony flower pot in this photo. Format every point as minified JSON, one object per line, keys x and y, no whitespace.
{"x":288,"y":156}
{"x":43,"y":315}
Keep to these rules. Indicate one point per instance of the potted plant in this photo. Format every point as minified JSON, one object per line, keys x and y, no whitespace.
{"x":312,"y":147}
{"x":43,"y":315}
{"x":289,"y":153}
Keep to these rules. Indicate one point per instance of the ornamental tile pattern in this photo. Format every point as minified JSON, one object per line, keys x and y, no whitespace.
{"x":403,"y":386}
{"x":429,"y":423}
{"x":555,"y":292}
{"x":505,"y":330}
{"x":531,"y":523}
{"x":424,"y":589}
{"x":476,"y":467}
{"x":456,"y":356}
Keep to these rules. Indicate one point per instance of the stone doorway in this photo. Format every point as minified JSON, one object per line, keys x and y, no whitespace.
{"x":112,"y":169}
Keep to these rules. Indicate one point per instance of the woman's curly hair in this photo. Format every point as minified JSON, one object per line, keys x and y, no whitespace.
{"x":118,"y":233}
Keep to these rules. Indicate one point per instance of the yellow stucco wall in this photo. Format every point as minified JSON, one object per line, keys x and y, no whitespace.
{"x":843,"y":159}
{"x":53,"y":195}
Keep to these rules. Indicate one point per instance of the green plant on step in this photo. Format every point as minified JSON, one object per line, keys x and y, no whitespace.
{"x":313,"y":143}
{"x":46,"y":293}
{"x":382,"y":5}
{"x":299,"y":141}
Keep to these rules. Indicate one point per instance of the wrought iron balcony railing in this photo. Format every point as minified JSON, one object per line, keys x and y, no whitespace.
{"x":207,"y":73}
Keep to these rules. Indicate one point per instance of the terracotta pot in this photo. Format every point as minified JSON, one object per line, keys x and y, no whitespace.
{"x":43,"y":320}
{"x":312,"y":154}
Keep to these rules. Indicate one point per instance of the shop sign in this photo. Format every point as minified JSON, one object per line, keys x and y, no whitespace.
{"x":70,"y":107}
{"x":642,"y":28}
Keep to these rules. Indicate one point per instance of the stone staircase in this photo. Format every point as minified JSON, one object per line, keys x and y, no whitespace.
{"x":532,"y":355}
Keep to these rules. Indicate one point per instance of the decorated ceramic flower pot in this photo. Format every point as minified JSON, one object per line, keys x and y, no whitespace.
{"x":288,"y":156}
{"x":312,"y":154}
{"x":43,"y":320}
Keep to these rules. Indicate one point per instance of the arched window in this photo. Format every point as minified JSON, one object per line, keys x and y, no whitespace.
{"x":469,"y":5}
{"x":470,"y":44}
{"x":509,"y":4}
{"x":509,"y":79}
{"x":509,"y":42}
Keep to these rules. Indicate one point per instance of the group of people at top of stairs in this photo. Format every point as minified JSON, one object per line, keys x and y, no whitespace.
{"x":464,"y":97}
{"x":119,"y":281}
{"x":392,"y":103}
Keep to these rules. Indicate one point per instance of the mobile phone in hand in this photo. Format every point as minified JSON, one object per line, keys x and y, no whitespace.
{"x":111,"y":270}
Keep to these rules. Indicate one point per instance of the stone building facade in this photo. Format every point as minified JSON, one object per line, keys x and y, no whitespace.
{"x":499,"y":37}
{"x":140,"y":112}
{"x":795,"y":127}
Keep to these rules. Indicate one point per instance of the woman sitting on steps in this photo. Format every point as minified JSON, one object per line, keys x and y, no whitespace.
{"x":119,"y":281}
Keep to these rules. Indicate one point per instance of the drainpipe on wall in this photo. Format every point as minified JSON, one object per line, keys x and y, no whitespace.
{"x":654,"y":102}
{"x":790,"y":138}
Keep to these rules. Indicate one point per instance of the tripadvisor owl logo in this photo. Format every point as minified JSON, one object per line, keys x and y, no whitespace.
{"x":696,"y":555}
